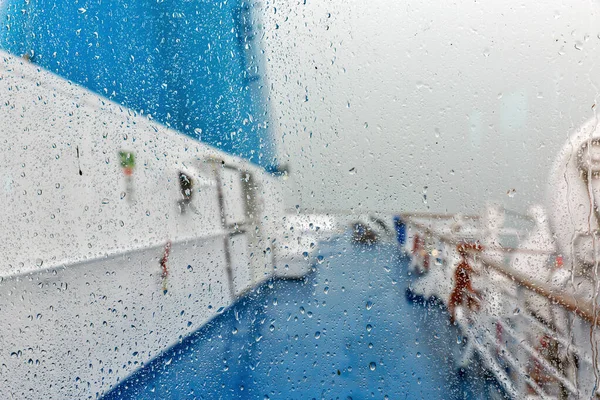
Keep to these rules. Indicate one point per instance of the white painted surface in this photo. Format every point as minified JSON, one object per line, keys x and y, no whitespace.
{"x":568,"y":200}
{"x":301,"y":235}
{"x":62,"y":216}
{"x":233,"y":193}
{"x":81,"y":293}
{"x":240,"y":263}
{"x":86,"y":326}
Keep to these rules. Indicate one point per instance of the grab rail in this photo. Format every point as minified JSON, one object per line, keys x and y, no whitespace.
{"x":580,"y":307}
{"x":555,"y":377}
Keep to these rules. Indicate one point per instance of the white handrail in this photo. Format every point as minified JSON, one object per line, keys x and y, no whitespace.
{"x":543,"y":362}
{"x":578,"y":306}
{"x":474,"y":326}
{"x":559,"y":338}
{"x":496,"y":369}
{"x":506,"y":354}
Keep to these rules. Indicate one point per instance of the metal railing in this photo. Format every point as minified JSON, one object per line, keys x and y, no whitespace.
{"x":556,"y":368}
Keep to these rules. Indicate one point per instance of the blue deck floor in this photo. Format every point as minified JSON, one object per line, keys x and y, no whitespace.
{"x":346,"y":332}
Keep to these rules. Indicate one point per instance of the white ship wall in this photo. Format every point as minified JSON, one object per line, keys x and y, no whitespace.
{"x":81,"y":292}
{"x":75,"y":331}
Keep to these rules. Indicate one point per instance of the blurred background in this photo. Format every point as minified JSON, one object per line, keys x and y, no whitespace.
{"x":427,"y":106}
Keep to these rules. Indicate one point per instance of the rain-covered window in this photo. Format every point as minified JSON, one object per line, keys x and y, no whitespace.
{"x":303,"y":199}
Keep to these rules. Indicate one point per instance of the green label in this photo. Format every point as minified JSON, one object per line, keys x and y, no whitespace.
{"x":127,"y":159}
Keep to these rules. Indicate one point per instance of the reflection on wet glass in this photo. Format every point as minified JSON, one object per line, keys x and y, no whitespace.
{"x":229,"y":199}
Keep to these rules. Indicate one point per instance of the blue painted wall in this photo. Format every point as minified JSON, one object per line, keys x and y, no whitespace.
{"x":191,"y":64}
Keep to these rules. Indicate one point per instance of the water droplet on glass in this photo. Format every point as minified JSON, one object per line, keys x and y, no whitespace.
{"x":369,"y":305}
{"x":317,"y":335}
{"x":369,"y":327}
{"x":372,"y":366}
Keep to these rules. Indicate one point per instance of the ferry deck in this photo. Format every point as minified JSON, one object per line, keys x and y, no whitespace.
{"x":348,"y":330}
{"x":149,"y":252}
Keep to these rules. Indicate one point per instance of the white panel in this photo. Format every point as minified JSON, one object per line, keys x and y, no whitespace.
{"x":110,"y":314}
{"x":233,"y":194}
{"x":93,"y":294}
{"x":240,"y":263}
{"x":66,"y":176}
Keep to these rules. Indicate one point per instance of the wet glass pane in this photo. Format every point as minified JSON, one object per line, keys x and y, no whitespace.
{"x":241,"y":199}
